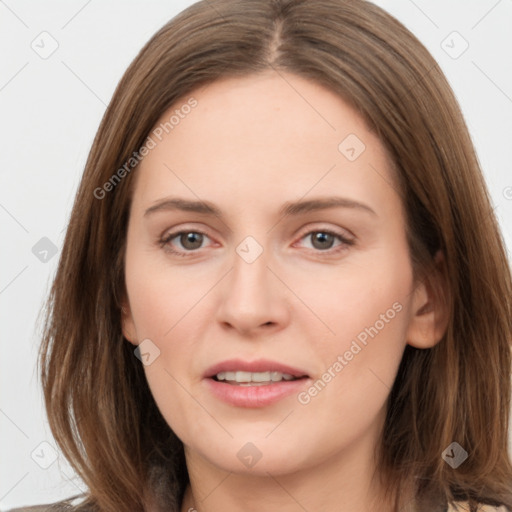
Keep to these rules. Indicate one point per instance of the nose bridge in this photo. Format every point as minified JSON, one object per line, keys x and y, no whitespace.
{"x":249,"y":279}
{"x":251,"y":296}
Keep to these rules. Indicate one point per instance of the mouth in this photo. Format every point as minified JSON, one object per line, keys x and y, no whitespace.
{"x":254,"y":384}
{"x":242,"y":378}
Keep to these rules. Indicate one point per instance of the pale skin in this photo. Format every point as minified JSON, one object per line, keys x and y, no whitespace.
{"x":250,"y":145}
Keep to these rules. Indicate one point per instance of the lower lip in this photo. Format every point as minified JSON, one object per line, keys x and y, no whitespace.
{"x":255,"y":396}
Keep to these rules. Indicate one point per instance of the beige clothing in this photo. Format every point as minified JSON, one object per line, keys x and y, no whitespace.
{"x":463,"y":507}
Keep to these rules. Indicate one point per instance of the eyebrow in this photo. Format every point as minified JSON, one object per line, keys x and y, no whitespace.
{"x":289,"y":208}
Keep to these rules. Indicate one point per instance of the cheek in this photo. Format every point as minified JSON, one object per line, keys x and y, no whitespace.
{"x":165,"y":305}
{"x":366,"y":311}
{"x":160,"y":297}
{"x":369,"y":318}
{"x":364,"y":300}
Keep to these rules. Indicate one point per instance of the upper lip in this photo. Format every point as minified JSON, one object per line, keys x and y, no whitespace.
{"x":259,"y":365}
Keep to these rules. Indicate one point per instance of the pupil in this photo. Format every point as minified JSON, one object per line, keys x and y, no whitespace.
{"x":323,"y":238}
{"x":195,"y":239}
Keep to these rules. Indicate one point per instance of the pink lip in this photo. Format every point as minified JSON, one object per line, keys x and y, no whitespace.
{"x":254,"y":396}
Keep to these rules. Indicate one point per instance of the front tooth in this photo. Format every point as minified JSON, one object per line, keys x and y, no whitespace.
{"x":257,"y":377}
{"x":243,"y":377}
{"x":261,"y":376}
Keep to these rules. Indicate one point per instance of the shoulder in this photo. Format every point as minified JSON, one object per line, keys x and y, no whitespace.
{"x":462,"y":506}
{"x":36,"y":508}
{"x":66,"y":505}
{"x":50,"y":507}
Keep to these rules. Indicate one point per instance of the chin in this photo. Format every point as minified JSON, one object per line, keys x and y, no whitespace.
{"x":258,"y":456}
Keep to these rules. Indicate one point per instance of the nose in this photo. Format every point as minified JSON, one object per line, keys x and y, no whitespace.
{"x":253,"y":299}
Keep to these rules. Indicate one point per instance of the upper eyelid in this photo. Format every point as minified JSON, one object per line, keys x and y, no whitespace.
{"x":335,"y":231}
{"x":308,"y":230}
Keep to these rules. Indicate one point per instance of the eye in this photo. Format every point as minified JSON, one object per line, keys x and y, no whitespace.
{"x":323,"y":240}
{"x":189,"y":240}
{"x":192,"y":240}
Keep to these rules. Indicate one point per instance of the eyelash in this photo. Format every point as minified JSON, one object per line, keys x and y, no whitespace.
{"x":165,"y":242}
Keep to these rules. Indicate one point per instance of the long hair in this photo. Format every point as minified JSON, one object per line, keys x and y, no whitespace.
{"x":100,"y":409}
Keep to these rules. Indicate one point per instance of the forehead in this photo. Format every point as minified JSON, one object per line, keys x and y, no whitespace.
{"x":260,"y":136}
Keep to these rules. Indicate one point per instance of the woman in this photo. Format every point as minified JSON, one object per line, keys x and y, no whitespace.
{"x":283,"y":286}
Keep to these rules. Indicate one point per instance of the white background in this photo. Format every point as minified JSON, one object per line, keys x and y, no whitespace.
{"x":50,"y":111}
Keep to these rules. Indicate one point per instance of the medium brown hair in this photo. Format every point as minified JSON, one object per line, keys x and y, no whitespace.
{"x":100,"y":408}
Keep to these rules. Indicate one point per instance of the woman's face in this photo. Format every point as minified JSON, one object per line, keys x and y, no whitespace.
{"x":303,"y":269}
